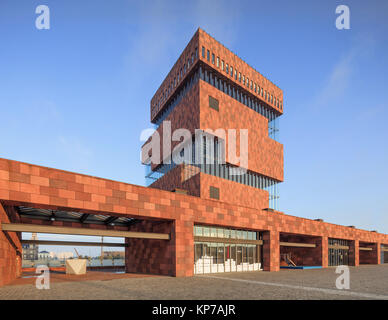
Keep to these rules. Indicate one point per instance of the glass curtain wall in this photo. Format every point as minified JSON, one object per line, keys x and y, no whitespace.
{"x":216,"y":257}
{"x":241,"y":95}
{"x":384,"y":254}
{"x":207,"y":154}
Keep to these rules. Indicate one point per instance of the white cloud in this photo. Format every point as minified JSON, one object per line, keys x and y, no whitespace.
{"x":158,"y":38}
{"x":341,"y":75}
{"x":218,"y":18}
{"x":152,"y":42}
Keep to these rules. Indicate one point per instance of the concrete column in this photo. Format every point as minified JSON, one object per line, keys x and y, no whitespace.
{"x":271,"y":251}
{"x":354,"y":253}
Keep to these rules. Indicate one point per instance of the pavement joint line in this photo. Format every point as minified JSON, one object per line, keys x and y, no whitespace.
{"x":328,"y":291}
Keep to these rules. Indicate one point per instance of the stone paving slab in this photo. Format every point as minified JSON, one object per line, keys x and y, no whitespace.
{"x":29,"y":278}
{"x":366,"y":282}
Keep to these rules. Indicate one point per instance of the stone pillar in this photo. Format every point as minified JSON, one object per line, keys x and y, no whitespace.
{"x":10,"y":249}
{"x":354,"y":253}
{"x":174,"y":257}
{"x":271,"y":251}
{"x":378,"y":252}
{"x":323,"y":247}
{"x":184,"y":248}
{"x":151,"y":256}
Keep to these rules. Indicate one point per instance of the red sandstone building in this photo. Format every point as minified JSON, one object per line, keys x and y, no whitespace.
{"x":196,"y":216}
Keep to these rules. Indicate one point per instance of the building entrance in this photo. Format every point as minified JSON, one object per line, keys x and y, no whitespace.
{"x":226,"y":250}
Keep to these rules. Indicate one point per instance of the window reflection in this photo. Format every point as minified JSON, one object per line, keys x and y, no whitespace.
{"x":227,"y":233}
{"x":212,"y":257}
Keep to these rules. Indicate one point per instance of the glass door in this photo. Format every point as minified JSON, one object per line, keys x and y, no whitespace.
{"x":206,"y":258}
{"x":198,"y":258}
{"x":250,"y":256}
{"x":233,"y":258}
{"x":213,"y":258}
{"x":220,"y":257}
{"x":245,"y":257}
{"x":227,"y":258}
{"x":239,"y":258}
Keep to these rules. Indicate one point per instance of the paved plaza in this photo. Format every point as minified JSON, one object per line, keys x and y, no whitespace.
{"x":366,"y":282}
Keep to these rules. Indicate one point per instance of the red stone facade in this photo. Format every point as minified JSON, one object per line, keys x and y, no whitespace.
{"x":303,"y":256}
{"x":199,"y":185}
{"x":175,"y":77}
{"x":185,"y":115}
{"x":233,"y":192}
{"x":151,"y":256}
{"x":211,"y":44}
{"x":158,"y":209}
{"x":35,"y":186}
{"x":10,"y":250}
{"x":177,"y":179}
{"x":370,"y":257}
{"x":193,"y":52}
{"x":265,"y":155}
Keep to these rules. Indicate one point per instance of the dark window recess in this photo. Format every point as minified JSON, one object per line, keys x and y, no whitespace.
{"x":213,"y":103}
{"x":181,"y":191}
{"x":214,"y":193}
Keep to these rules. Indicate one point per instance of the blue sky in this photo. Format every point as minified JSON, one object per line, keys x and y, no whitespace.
{"x":76,"y":97}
